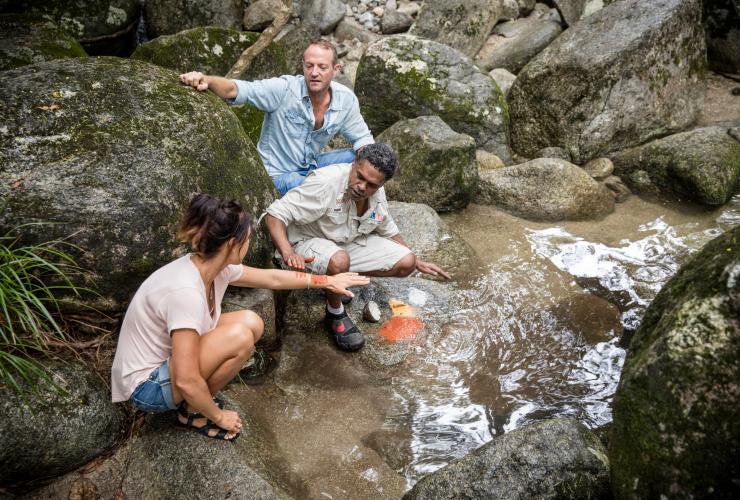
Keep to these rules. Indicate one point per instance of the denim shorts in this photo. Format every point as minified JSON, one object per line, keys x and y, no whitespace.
{"x":154,"y":395}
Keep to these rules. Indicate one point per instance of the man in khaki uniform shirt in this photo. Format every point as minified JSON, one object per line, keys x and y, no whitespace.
{"x":338,"y":221}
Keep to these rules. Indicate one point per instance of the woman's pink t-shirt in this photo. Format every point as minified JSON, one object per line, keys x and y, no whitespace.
{"x":173,"y":297}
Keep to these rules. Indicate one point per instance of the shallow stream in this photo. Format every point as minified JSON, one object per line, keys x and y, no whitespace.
{"x":536,"y":334}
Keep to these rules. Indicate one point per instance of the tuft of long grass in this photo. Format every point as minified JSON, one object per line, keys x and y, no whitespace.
{"x":33,"y":278}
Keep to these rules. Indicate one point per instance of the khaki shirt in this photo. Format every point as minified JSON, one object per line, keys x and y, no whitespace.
{"x":321,"y":207}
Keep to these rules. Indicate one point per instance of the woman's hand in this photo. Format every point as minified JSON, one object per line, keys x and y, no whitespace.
{"x":340,"y":282}
{"x":229,"y":421}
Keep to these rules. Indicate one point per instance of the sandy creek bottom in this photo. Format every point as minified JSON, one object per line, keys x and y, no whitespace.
{"x":535,"y":335}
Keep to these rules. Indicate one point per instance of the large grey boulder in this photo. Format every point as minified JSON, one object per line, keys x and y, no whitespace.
{"x":570,"y":10}
{"x":403,"y":76}
{"x":394,"y":21}
{"x":677,"y":407}
{"x":436,"y":165}
{"x":260,"y":14}
{"x":324,"y":14}
{"x":702,"y":164}
{"x":545,"y":189}
{"x":112,"y":150}
{"x":28,"y":39}
{"x":630,"y":72}
{"x":512,"y":44}
{"x":101,"y":26}
{"x":460,"y":24}
{"x":212,"y":50}
{"x":557,"y":458}
{"x":163,"y":460}
{"x":48,"y":433}
{"x":431,"y":238}
{"x":165,"y":17}
{"x":722,"y":27}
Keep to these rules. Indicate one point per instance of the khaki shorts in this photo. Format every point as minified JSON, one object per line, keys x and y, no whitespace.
{"x":378,"y":254}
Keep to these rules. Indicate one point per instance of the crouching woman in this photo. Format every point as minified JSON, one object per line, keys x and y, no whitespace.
{"x":176,"y":349}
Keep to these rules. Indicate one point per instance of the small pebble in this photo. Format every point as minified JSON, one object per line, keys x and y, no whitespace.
{"x":371,"y":312}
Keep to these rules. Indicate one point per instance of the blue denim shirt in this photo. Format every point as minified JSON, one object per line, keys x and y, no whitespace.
{"x":288,"y":141}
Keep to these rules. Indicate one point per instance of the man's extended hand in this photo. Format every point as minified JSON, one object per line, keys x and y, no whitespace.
{"x":296,"y":260}
{"x":195,"y":79}
{"x":431,"y":269}
{"x":340,"y":282}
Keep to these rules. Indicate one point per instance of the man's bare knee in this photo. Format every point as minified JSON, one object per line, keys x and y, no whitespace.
{"x":339,"y":263}
{"x":405,"y":266}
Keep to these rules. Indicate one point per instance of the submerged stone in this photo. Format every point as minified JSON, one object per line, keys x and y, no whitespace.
{"x":28,"y":39}
{"x":677,"y":407}
{"x":111,"y":150}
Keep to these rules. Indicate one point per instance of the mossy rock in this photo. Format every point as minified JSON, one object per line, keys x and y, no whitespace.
{"x":436,"y":165}
{"x":28,"y":39}
{"x":558,"y":458}
{"x":167,"y":17}
{"x":460,"y":24}
{"x":701,"y":165}
{"x":628,"y":73}
{"x":677,"y":407}
{"x":403,"y":76}
{"x":545,"y":189}
{"x":251,"y":119}
{"x":48,"y":434}
{"x":112,"y":150}
{"x":101,"y":26}
{"x":211,"y":50}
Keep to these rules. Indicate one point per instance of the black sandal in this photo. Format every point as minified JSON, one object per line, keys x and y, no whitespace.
{"x":205,"y":428}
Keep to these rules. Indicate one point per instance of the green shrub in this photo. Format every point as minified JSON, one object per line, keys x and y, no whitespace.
{"x":33,"y":278}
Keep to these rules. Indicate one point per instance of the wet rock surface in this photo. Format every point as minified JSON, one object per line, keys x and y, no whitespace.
{"x":609,"y":82}
{"x":678,"y":390}
{"x":403,"y":76}
{"x":211,"y":50}
{"x":545,"y":189}
{"x":31,"y":39}
{"x":48,"y":434}
{"x":128,"y":146}
{"x":436,"y":164}
{"x":556,"y":458}
{"x":702,"y":165}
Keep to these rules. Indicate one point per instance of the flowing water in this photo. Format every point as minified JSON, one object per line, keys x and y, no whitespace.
{"x":537,"y":332}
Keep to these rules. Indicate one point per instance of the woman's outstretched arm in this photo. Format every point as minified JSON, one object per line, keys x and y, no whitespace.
{"x":276,"y":279}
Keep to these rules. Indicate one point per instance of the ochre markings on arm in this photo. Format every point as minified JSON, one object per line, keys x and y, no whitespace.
{"x":318,"y":279}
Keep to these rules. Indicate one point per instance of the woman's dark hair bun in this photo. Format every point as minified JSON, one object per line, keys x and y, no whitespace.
{"x":210,"y":222}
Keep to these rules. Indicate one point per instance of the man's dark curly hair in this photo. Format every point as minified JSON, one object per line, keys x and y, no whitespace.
{"x":380,"y":156}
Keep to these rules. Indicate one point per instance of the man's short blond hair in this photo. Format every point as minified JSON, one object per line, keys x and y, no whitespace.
{"x":324,"y":44}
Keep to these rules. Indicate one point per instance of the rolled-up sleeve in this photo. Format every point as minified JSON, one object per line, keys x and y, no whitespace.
{"x":354,"y":128}
{"x":303,"y":204}
{"x":262,"y":94}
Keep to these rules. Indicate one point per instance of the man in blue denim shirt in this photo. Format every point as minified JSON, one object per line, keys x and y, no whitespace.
{"x":302,"y":114}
